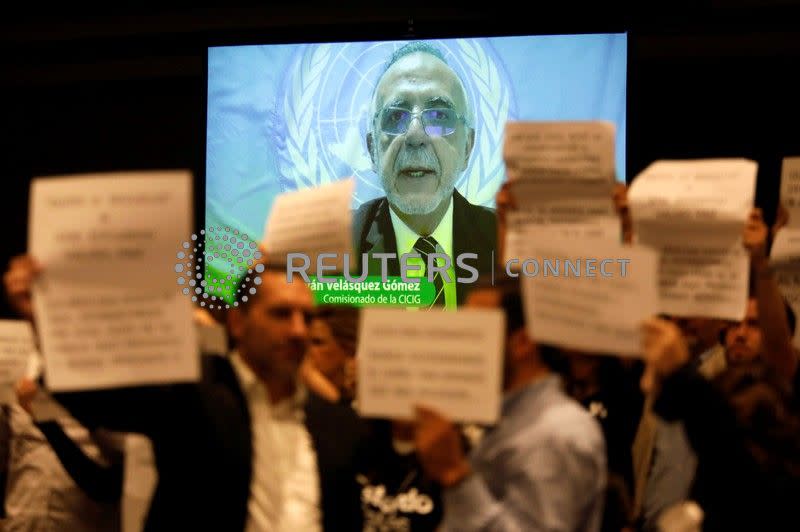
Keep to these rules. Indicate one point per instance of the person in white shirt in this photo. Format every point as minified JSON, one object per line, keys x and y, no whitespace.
{"x":232,"y":451}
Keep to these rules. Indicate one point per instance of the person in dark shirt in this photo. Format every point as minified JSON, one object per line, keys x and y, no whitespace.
{"x":396,"y":494}
{"x":372,"y":480}
{"x":742,"y":427}
{"x":336,"y":429}
{"x":608,"y":388}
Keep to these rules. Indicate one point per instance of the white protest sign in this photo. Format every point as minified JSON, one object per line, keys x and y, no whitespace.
{"x":693,"y":212}
{"x":107,"y":305}
{"x":561,"y":176}
{"x":312,"y":222}
{"x":449,"y":361}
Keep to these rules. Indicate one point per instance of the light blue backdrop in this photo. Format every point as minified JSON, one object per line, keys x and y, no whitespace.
{"x":283,"y":117}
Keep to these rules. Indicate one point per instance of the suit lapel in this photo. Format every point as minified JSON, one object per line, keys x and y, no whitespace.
{"x":220,"y":370}
{"x":380,"y":238}
{"x":468,"y":237}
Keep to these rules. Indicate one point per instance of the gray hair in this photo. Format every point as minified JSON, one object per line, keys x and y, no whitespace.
{"x":424,"y":48}
{"x":412,"y":48}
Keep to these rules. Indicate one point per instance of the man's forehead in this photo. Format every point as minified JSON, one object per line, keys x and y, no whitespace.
{"x":274,"y":290}
{"x":419,"y":72}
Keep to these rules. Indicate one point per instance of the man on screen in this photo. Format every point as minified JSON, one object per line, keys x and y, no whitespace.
{"x":420,"y":140}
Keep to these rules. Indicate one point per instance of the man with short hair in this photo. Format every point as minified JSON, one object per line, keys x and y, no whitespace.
{"x":271,"y":334}
{"x":542,"y":467}
{"x":420,"y":139}
{"x":231,"y":450}
{"x":664,"y":463}
{"x":663,"y":459}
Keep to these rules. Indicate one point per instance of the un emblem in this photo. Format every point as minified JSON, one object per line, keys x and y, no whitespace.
{"x":325,"y":101}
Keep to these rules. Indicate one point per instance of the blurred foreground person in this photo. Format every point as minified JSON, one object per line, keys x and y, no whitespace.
{"x":58,"y":476}
{"x":742,"y":428}
{"x":542,"y":467}
{"x":371,"y":477}
{"x":608,"y":387}
{"x":231,"y":450}
{"x":336,"y":429}
{"x":329,"y":367}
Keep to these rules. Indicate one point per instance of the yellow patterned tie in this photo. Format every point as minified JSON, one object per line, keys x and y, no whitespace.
{"x":425,"y":246}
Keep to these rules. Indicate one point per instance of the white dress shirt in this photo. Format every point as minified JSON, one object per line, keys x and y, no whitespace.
{"x":284,"y":488}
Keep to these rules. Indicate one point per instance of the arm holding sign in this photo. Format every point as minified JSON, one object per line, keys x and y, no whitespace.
{"x":100,"y":482}
{"x":742,"y":418}
{"x":127,"y":409}
{"x":682,"y":394}
{"x":438,"y":444}
{"x":772,"y":318}
{"x":541,"y":489}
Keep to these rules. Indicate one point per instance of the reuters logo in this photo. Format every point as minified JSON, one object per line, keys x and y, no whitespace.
{"x":218,"y":268}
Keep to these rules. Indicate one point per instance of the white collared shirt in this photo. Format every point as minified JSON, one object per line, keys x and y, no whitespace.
{"x":284,"y":488}
{"x":407,"y":237}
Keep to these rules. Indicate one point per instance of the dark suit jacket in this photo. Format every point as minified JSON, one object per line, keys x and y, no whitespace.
{"x":339,"y":436}
{"x":201,"y":439}
{"x":202,"y":443}
{"x":736,"y":490}
{"x":474,"y":231}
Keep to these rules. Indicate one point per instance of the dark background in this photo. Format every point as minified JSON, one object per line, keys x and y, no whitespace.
{"x":109,"y":90}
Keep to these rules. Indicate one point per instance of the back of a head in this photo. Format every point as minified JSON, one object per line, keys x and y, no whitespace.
{"x":509,"y":296}
{"x":762,"y":403}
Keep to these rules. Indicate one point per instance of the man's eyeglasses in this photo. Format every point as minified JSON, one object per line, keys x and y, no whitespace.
{"x":438,"y":122}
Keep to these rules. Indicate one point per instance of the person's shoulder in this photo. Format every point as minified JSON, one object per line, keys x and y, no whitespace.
{"x":461,"y":201}
{"x":219,"y":392}
{"x":569,"y":423}
{"x":565,"y":435}
{"x":370,"y":205}
{"x":367,"y":210}
{"x":483,"y":214}
{"x":364,"y":216}
{"x":218,"y":373}
{"x":476,"y":227}
{"x":478,"y":214}
{"x":323,"y":413}
{"x":480,"y":210}
{"x":215,"y":365}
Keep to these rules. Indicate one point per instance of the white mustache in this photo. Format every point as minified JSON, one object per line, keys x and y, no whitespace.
{"x":420,"y":158}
